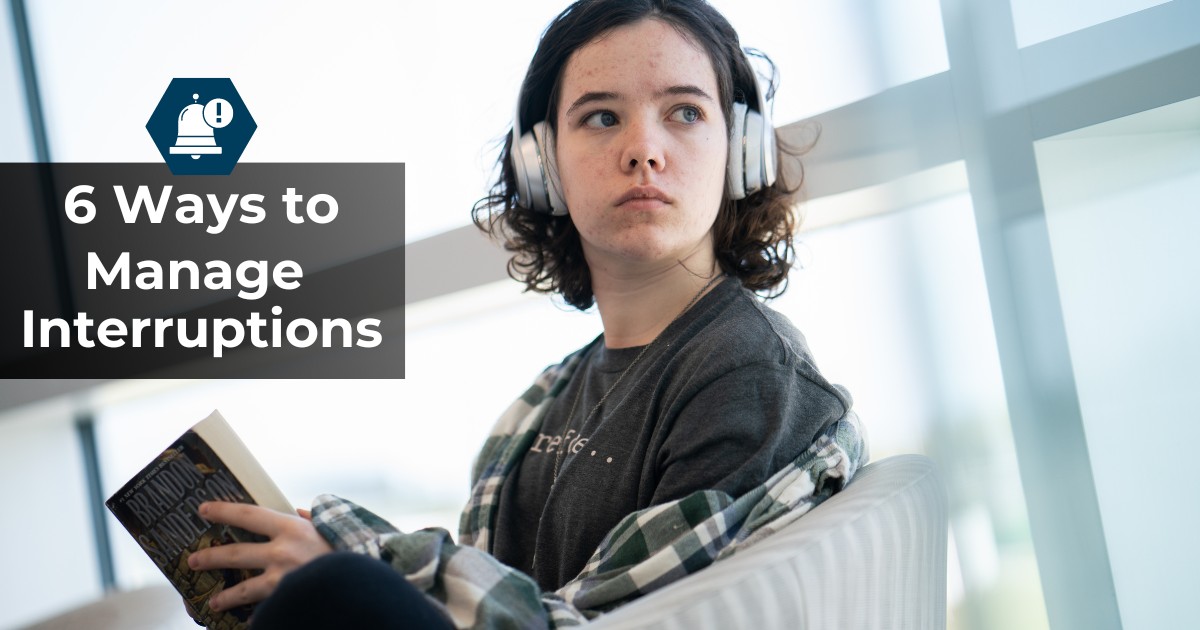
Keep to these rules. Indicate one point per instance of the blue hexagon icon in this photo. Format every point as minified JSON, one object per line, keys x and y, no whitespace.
{"x":201,"y":126}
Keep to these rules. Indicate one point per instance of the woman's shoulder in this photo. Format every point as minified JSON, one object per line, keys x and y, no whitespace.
{"x":742,"y":331}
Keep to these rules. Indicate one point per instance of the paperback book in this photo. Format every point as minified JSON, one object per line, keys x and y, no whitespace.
{"x":159,"y":508}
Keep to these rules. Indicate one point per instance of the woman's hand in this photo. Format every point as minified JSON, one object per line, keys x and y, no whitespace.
{"x":293,"y":542}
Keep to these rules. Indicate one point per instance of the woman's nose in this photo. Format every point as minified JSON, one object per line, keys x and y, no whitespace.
{"x":643,"y":148}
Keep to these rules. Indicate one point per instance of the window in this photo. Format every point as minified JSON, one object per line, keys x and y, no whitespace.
{"x":1120,"y":205}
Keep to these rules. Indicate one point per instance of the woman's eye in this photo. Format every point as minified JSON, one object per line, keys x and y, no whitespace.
{"x":600,"y":120}
{"x":686,"y":114}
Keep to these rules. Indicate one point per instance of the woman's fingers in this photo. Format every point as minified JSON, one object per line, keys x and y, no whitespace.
{"x":249,"y":591}
{"x":234,"y":556}
{"x":293,"y":542}
{"x":257,"y":519}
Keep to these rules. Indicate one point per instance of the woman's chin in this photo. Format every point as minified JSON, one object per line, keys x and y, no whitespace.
{"x":647,"y":256}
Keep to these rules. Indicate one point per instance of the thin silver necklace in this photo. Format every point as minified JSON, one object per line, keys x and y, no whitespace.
{"x":558,"y":456}
{"x":579,"y":392}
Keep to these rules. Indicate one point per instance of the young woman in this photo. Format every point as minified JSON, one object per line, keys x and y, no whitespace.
{"x":640,"y":177}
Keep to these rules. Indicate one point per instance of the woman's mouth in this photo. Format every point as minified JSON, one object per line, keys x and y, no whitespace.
{"x":643,"y":198}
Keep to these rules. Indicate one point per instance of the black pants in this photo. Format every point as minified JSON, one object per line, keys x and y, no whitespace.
{"x":347,"y":590}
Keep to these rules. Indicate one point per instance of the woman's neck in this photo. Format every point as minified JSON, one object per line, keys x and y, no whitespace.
{"x":636,"y":307}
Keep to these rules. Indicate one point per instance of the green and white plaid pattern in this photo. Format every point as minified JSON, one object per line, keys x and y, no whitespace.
{"x":644,"y":552}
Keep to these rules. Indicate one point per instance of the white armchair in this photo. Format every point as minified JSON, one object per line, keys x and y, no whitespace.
{"x":871,"y":557}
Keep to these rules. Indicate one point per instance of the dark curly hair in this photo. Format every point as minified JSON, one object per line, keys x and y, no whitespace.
{"x":752,"y":237}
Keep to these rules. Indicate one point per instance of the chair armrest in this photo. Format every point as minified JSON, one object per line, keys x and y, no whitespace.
{"x":871,"y":557}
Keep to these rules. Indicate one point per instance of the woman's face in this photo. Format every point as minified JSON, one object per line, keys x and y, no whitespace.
{"x":641,"y":148}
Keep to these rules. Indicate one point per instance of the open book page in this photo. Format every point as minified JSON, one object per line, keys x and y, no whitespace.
{"x":215,"y":431}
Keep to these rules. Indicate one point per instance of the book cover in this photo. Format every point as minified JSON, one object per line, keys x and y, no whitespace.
{"x":159,"y":508}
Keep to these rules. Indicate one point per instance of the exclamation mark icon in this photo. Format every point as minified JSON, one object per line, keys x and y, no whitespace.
{"x":218,"y":113}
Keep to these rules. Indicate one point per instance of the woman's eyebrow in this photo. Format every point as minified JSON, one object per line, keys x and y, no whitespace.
{"x":592,"y":97}
{"x":674,"y":90}
{"x":678,"y":90}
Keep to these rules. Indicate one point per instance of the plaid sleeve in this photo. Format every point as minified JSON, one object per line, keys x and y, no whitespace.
{"x":473,"y":588}
{"x":659,"y":545}
{"x":644,"y":552}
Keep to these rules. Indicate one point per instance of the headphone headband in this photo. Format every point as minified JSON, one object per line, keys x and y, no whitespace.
{"x":751,"y":165}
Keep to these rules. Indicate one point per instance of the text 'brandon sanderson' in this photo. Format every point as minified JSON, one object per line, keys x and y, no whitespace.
{"x":252,"y":278}
{"x":166,"y":505}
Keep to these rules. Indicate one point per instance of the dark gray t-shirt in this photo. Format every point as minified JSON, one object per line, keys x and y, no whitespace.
{"x":725,"y":397}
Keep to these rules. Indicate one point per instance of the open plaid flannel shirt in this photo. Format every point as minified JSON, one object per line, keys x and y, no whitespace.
{"x":644,"y":552}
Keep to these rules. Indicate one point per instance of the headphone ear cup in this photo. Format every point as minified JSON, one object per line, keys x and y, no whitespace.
{"x":555,"y":204}
{"x":758,"y":162}
{"x":527,"y":168}
{"x":736,"y":167}
{"x":536,"y":173}
{"x":769,"y":165}
{"x":754,"y":155}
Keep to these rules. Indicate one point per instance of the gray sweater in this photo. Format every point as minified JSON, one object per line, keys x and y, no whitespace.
{"x":726,"y":396}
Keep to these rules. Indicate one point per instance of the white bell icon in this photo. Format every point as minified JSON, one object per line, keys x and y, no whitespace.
{"x":195,"y":134}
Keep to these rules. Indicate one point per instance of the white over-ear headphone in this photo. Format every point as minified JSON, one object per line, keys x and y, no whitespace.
{"x":751,"y":166}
